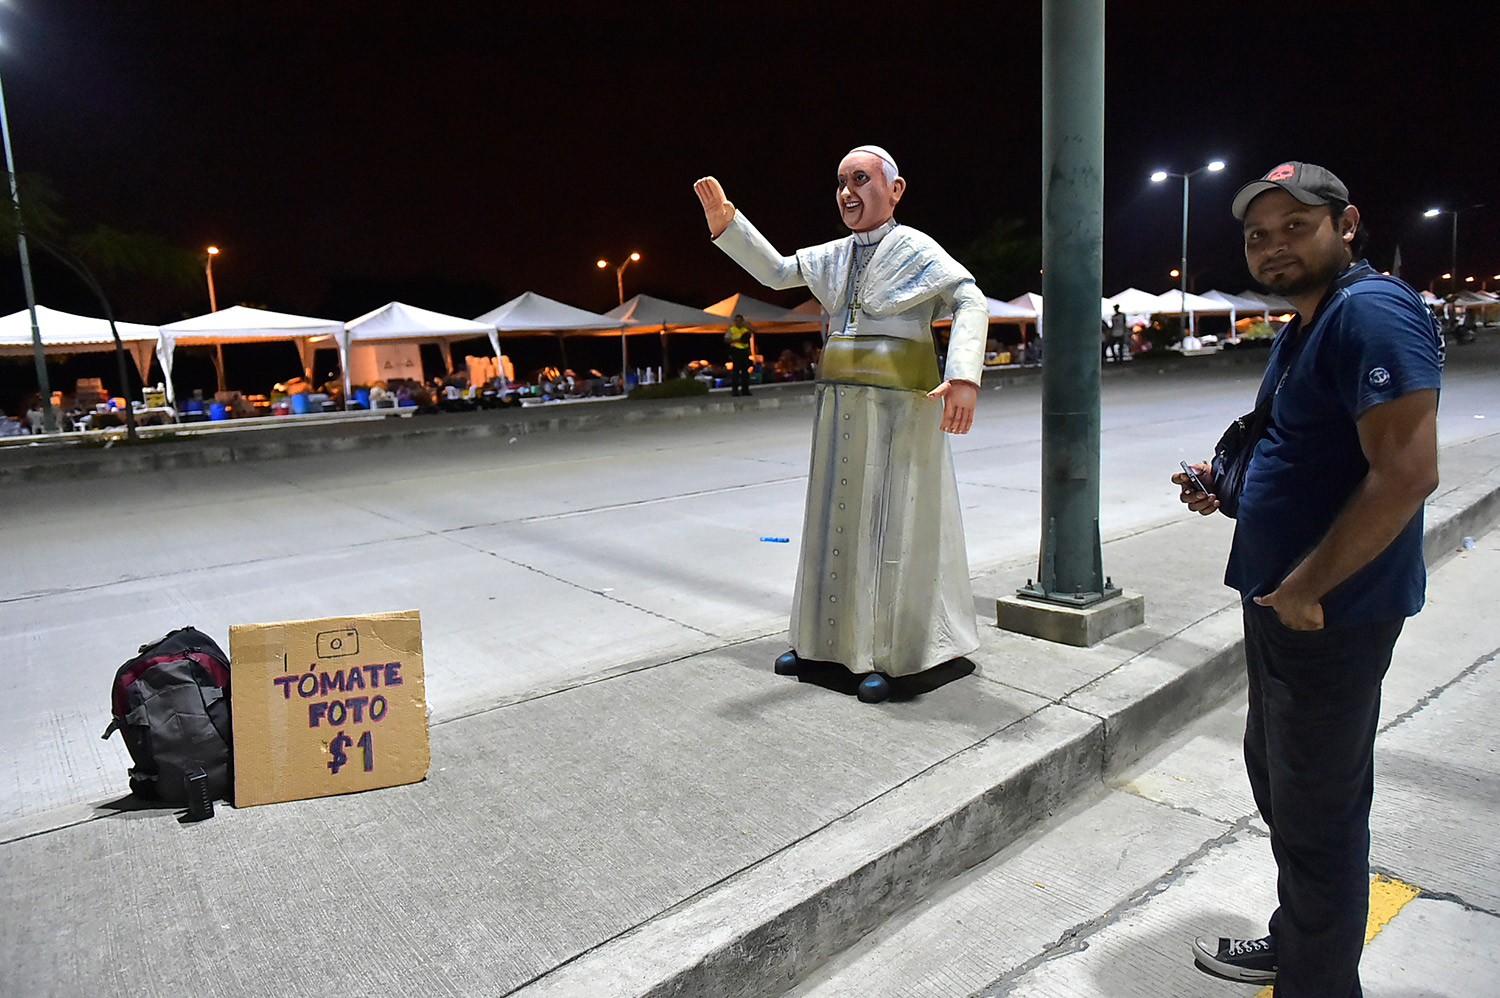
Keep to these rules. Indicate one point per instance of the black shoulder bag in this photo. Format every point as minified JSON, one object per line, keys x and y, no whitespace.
{"x":1233,"y":451}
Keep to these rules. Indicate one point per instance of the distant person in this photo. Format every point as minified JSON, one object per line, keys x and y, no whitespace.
{"x":738,"y":337}
{"x":1114,"y":336}
{"x":1468,"y":330}
{"x":811,"y":355}
{"x":1327,"y":557}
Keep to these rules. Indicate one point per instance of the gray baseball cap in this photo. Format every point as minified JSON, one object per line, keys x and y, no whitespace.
{"x":1307,"y":182}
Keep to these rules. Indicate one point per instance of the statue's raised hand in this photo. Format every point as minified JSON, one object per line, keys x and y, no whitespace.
{"x":717,"y":209}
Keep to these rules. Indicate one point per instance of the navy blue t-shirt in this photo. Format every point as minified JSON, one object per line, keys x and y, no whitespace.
{"x":1372,"y":341}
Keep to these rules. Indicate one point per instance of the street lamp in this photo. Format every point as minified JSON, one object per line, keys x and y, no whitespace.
{"x":213,"y":303}
{"x":1213,"y":166}
{"x":620,"y":272}
{"x":39,"y":352}
{"x":620,"y":286}
{"x":1453,"y":251}
{"x":213,"y":306}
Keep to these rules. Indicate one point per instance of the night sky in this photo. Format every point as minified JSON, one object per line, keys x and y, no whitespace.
{"x":454,"y":155}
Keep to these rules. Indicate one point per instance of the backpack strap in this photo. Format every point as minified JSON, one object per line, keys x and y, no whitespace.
{"x":218,"y":718}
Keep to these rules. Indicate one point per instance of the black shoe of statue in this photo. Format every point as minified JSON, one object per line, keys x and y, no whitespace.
{"x":874,"y":688}
{"x":788,"y":664}
{"x":1252,"y":961}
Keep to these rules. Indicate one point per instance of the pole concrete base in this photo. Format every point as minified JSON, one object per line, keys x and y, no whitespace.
{"x":1080,"y":626}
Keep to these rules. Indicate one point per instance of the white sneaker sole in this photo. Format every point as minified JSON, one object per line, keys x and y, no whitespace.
{"x":1210,"y":964}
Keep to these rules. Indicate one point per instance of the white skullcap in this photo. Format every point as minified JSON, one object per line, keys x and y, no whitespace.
{"x":877,"y":151}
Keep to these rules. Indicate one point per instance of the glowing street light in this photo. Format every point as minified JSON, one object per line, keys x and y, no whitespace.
{"x":620,"y":272}
{"x":1453,"y":251}
{"x":1213,"y":166}
{"x":208,"y":270}
{"x":620,"y":286}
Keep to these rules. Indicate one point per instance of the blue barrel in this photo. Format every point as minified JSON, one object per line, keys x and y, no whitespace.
{"x":362,"y":396}
{"x":218,"y":410}
{"x":300,"y":404}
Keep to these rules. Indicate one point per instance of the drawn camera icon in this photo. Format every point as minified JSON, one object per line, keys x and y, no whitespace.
{"x":334,"y":644}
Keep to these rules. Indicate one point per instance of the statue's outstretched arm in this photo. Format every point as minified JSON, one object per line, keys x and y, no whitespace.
{"x":717,"y":209}
{"x":733,"y":233}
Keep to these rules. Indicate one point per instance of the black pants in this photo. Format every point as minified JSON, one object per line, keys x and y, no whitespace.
{"x":739,"y":378}
{"x":1310,"y":755}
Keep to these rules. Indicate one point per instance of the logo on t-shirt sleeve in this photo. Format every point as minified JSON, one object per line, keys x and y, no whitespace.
{"x":1379,"y":377}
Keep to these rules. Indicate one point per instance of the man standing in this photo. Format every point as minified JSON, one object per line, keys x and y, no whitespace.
{"x":1327,"y":555}
{"x":883,"y":585}
{"x":1114,"y":343}
{"x":738,"y":337}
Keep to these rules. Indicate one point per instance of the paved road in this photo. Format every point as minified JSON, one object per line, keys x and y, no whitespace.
{"x":537,"y":564}
{"x":1104,"y":900}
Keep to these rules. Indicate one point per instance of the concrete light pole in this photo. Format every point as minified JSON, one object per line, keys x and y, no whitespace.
{"x":208,"y":270}
{"x":1452,"y":274}
{"x":1156,"y":178}
{"x":213,"y":306}
{"x":620,"y":287}
{"x":39,"y":352}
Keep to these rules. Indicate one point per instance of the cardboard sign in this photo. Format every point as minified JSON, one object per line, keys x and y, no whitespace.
{"x":331,"y":706}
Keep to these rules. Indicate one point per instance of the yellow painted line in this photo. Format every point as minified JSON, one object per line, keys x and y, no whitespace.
{"x":1387,"y":896}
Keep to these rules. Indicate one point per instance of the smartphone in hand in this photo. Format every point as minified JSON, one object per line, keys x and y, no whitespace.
{"x":1193,"y":479}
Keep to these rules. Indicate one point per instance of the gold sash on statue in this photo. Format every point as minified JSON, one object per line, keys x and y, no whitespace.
{"x":880,"y":361}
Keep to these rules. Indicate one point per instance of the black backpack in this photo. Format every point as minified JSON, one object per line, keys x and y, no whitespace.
{"x":171,"y":704}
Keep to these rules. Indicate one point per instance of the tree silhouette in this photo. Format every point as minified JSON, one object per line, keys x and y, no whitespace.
{"x":119,"y":256}
{"x":1005,"y":259}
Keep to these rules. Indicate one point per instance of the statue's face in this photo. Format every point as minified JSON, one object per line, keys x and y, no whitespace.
{"x":866,"y":200}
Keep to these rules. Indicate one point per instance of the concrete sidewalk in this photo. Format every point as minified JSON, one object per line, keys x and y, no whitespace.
{"x":695,"y":827}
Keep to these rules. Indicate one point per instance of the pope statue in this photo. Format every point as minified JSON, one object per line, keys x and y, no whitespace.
{"x":883,"y":584}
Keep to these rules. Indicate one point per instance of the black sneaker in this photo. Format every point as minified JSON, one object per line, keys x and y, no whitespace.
{"x":1252,"y":961}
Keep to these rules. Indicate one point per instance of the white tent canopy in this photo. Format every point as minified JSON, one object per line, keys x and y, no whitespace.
{"x":1001,"y":312}
{"x":1004,"y":311}
{"x":765,"y":316}
{"x":1134,"y":301}
{"x":530,"y":314}
{"x":1033,"y":301}
{"x":1173,"y":301}
{"x":240,"y":324}
{"x":1237,"y":303}
{"x":658,"y":314}
{"x":64,"y":332}
{"x":1030,"y":300}
{"x":399,"y":322}
{"x":534,"y":313}
{"x":1275,"y":303}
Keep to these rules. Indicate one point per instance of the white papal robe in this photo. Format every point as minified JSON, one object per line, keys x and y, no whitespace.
{"x":883,"y":584}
